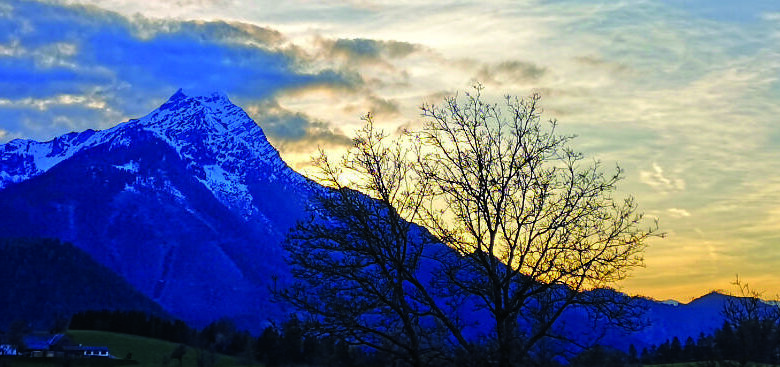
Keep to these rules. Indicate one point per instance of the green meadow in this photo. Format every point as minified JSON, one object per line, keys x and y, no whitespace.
{"x":145,"y":352}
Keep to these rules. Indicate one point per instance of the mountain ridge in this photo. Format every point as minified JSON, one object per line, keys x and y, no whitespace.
{"x":190,"y":203}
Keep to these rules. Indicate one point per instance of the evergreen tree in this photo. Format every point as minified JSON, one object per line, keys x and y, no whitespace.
{"x":646,"y":357}
{"x":663,"y":352}
{"x":268,"y":347}
{"x":689,"y":350}
{"x":675,"y":350}
{"x":705,"y":348}
{"x":725,"y":342}
{"x":178,"y":353}
{"x":292,"y":340}
{"x":633,"y":358}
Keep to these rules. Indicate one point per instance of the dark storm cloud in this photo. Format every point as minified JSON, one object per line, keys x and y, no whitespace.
{"x":133,"y":64}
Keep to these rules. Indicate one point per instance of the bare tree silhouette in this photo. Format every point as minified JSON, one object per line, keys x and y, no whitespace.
{"x":529,"y":227}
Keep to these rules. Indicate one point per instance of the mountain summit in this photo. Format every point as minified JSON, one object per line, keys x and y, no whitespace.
{"x":188,"y":203}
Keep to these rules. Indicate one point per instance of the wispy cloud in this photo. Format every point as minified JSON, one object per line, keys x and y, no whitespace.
{"x":678,"y":213}
{"x":660,"y":182}
{"x":509,"y":71}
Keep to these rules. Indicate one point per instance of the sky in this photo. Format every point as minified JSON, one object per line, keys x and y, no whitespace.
{"x":683,"y":94}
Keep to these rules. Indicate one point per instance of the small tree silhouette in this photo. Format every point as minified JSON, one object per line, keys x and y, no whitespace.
{"x":178,"y":353}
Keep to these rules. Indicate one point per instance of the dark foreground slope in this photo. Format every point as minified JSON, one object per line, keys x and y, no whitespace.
{"x":44,"y":279}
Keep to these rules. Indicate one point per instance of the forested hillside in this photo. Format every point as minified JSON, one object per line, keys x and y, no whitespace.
{"x":44,"y":280}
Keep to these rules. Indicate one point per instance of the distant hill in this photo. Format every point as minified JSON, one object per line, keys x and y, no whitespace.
{"x":669,"y":319}
{"x":43,"y":279}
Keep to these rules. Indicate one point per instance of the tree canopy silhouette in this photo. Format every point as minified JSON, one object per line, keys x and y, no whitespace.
{"x":530,"y":229}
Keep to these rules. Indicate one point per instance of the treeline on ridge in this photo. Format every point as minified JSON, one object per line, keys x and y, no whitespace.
{"x":291,"y":343}
{"x":756,"y":341}
{"x":285,"y":344}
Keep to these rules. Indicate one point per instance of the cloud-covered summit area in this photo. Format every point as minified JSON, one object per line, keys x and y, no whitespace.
{"x":65,"y":68}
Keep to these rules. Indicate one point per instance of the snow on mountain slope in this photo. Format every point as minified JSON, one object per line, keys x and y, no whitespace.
{"x":220,"y":142}
{"x":22,"y":159}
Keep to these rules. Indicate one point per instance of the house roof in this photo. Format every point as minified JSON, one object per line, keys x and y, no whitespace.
{"x":41,"y":341}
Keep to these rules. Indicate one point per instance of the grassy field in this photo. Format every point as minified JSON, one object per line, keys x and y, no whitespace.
{"x":146,"y":352}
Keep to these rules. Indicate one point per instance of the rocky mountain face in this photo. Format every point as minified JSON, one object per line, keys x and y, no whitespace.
{"x":190,"y":203}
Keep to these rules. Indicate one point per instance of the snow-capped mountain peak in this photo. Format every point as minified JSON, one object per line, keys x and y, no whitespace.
{"x":189,"y":203}
{"x":221,"y":144}
{"x":210,"y":112}
{"x":216,"y":138}
{"x":212,"y":99}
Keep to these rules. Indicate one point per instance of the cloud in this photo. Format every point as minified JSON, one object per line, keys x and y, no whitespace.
{"x":131,"y":64}
{"x":294,"y":131}
{"x":384,"y":61}
{"x":678,"y":213}
{"x":660,"y":182}
{"x":236,"y":33}
{"x":380,"y":106}
{"x":596,"y":62}
{"x":25,"y":121}
{"x":6,"y":10}
{"x":509,"y":72}
{"x":60,"y":100}
{"x":747,"y":12}
{"x":369,"y":49}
